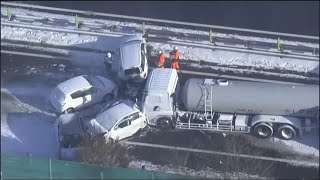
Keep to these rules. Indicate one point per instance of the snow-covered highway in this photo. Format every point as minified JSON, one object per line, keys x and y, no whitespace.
{"x":41,"y":47}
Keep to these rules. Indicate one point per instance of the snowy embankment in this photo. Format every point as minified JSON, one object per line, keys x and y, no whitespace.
{"x":220,"y":57}
{"x":75,"y":42}
{"x":26,"y":126}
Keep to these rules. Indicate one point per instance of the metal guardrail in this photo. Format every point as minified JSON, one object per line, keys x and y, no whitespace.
{"x":161,"y":21}
{"x":154,"y":38}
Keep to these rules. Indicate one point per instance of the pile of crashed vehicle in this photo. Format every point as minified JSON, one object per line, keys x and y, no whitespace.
{"x":261,"y":109}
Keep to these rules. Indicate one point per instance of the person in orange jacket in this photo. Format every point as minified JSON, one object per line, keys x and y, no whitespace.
{"x":175,"y":59}
{"x":161,"y":59}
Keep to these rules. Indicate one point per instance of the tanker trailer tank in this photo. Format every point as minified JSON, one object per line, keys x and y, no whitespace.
{"x":247,"y":97}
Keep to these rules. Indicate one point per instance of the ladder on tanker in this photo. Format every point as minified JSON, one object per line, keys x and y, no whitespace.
{"x":208,"y":106}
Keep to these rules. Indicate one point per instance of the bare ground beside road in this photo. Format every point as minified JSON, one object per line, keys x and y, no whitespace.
{"x":216,"y":141}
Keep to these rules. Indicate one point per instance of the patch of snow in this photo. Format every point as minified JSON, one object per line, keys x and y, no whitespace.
{"x":241,"y":59}
{"x":307,"y":144}
{"x":28,"y":133}
{"x":69,"y":20}
{"x":185,"y":171}
{"x":105,"y":43}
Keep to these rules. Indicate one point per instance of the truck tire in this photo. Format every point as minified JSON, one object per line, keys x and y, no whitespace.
{"x":263,"y":130}
{"x":164,"y":123}
{"x":286,"y":132}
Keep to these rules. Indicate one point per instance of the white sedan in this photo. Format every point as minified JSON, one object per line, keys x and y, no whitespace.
{"x":118,"y":122}
{"x":82,"y":91}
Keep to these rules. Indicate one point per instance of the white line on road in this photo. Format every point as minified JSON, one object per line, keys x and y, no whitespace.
{"x":34,"y":55}
{"x":303,"y":163}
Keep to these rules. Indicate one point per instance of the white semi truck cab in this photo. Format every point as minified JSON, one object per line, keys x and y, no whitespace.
{"x":158,"y":102}
{"x":263,"y":109}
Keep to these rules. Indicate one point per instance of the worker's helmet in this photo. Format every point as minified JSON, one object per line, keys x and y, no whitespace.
{"x":160,"y":52}
{"x":109,"y":55}
{"x":175,"y":48}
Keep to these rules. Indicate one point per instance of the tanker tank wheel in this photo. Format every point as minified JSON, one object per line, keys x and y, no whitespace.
{"x":164,"y":123}
{"x":263,"y":130}
{"x":286,"y":132}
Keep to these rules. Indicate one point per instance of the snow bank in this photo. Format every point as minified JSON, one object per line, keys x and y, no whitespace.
{"x":29,"y":134}
{"x":204,"y":173}
{"x":105,"y":43}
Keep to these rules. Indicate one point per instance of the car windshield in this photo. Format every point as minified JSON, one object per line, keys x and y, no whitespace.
{"x":58,"y":95}
{"x":106,"y":120}
{"x":93,"y":80}
{"x":110,"y":104}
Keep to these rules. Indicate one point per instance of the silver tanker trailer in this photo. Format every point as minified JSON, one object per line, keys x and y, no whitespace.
{"x":263,"y":109}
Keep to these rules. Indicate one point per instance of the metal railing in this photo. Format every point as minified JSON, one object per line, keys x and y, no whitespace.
{"x":282,"y":50}
{"x":159,"y":21}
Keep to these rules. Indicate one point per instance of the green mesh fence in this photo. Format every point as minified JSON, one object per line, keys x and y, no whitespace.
{"x":14,"y":167}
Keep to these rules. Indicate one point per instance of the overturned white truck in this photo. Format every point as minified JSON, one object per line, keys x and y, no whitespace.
{"x":263,"y":109}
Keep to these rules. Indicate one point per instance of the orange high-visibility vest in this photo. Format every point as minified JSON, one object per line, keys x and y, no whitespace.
{"x":161,"y":58}
{"x":176,"y":55}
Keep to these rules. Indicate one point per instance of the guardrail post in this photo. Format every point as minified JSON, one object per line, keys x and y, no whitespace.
{"x":315,"y":51}
{"x":10,"y":17}
{"x":210,"y":36}
{"x":50,"y":169}
{"x":280,"y":47}
{"x":101,"y":175}
{"x":143,"y":27}
{"x":76,"y":21}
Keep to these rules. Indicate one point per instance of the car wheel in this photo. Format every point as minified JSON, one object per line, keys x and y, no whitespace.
{"x":107,"y":98}
{"x":164,"y":123}
{"x":69,"y":110}
{"x":286,"y":132}
{"x":263,"y":130}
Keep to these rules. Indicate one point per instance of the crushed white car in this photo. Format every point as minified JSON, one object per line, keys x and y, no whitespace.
{"x":117,"y":122}
{"x":129,"y":62}
{"x":82,"y":91}
{"x":71,"y":133}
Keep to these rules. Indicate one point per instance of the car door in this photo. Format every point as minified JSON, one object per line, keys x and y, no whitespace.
{"x":138,"y":121}
{"x":128,"y":126}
